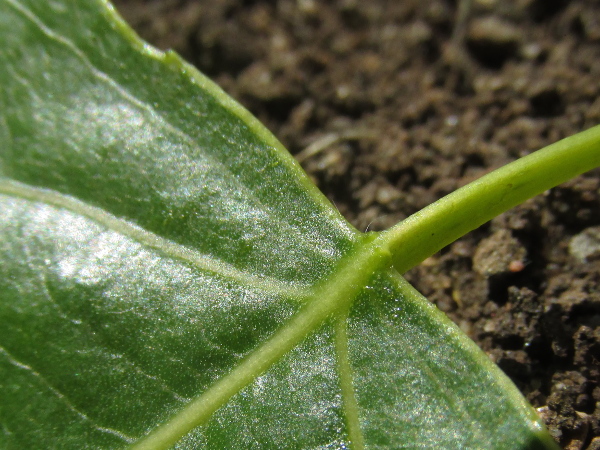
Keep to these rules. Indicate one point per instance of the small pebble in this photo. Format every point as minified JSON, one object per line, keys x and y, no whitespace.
{"x":585,"y":244}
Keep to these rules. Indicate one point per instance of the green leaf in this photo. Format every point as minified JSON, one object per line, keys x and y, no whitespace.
{"x":169,"y":271}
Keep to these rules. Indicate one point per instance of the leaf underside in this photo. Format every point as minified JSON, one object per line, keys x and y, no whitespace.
{"x":153,"y":235}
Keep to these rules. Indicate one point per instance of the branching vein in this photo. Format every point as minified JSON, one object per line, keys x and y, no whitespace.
{"x":64,"y":400}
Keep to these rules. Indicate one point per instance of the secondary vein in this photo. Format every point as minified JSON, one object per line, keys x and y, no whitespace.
{"x":166,"y":247}
{"x":186,"y":138}
{"x":349,"y":401}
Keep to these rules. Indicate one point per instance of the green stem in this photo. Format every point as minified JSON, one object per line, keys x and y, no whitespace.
{"x":441,"y":223}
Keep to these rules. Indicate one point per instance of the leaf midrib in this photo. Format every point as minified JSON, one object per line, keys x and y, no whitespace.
{"x":330,"y":298}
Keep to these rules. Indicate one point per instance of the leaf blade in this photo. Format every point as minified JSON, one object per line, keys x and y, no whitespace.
{"x":162,"y":160}
{"x":127,"y":322}
{"x":406,"y":343}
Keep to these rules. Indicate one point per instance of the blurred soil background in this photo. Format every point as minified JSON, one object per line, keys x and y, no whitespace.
{"x":390,"y":105}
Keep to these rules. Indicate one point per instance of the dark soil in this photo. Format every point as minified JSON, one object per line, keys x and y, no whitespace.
{"x":429,"y":102}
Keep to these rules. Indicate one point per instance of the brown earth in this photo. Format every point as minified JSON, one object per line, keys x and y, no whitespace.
{"x":425,"y":100}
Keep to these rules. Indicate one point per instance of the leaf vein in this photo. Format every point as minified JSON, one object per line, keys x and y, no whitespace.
{"x":67,"y":403}
{"x":166,"y":247}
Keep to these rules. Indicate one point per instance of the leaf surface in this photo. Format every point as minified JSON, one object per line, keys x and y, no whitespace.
{"x":157,"y":243}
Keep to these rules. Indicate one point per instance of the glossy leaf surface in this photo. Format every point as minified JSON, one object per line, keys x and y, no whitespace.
{"x":154,"y":237}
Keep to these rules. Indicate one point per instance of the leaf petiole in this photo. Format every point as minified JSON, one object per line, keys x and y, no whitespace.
{"x":441,"y":223}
